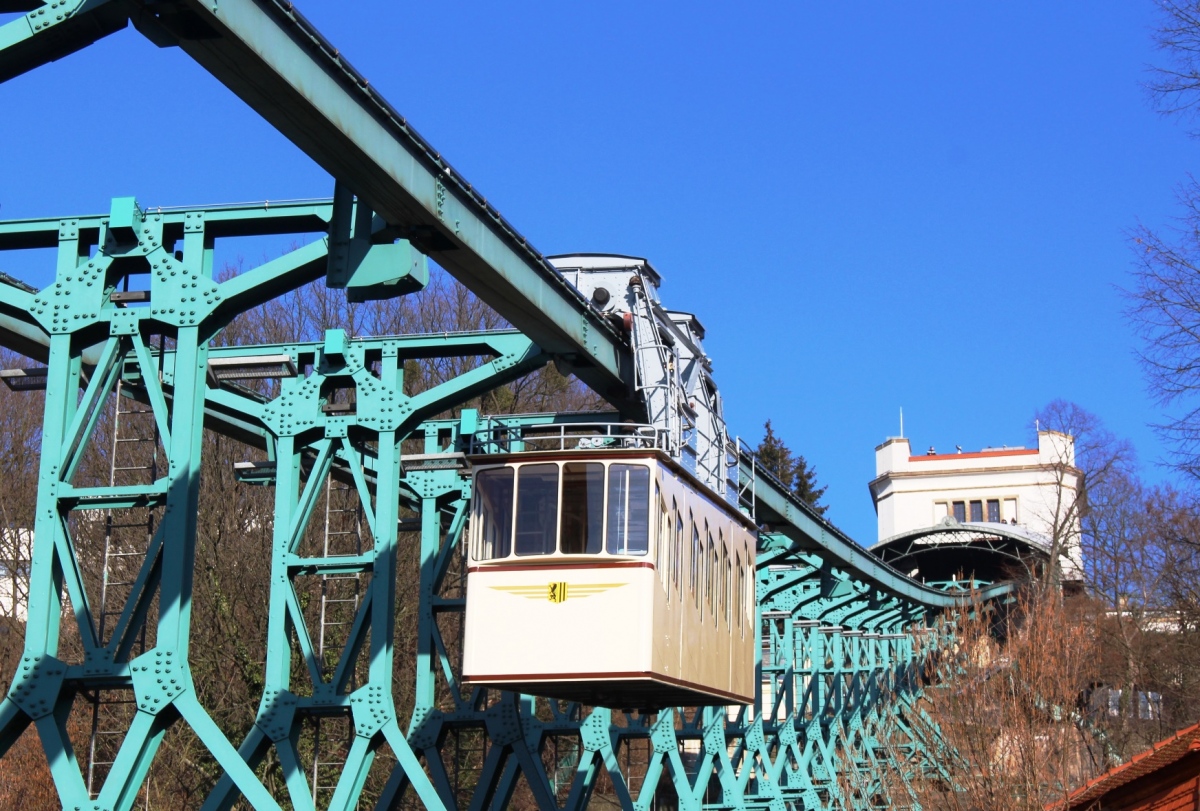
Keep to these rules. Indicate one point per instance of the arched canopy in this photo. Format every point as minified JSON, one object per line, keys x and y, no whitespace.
{"x":983,"y":551}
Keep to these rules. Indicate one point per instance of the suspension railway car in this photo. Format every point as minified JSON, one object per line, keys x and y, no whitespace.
{"x":610,"y":577}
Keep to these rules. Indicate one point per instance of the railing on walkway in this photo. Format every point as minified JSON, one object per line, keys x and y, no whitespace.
{"x":499,"y":436}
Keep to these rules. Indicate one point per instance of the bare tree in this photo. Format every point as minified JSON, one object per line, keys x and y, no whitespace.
{"x":1164,"y":300}
{"x":1006,"y":707}
{"x":1170,"y":659}
{"x":1123,"y":538}
{"x":1175,"y":86}
{"x":1036,"y":701}
{"x":1164,"y":307}
{"x":1089,"y":470}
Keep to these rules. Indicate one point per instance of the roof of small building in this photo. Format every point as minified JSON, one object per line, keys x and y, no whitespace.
{"x":951,"y":530}
{"x":1162,"y":754}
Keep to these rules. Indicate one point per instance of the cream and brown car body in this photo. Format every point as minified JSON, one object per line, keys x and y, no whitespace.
{"x":610,"y":577}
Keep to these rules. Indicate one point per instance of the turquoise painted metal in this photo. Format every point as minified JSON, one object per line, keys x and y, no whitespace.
{"x":96,"y":337}
{"x":267,"y":53}
{"x":844,"y":639}
{"x":833,"y":725}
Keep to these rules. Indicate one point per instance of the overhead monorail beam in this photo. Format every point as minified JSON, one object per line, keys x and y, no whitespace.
{"x":809,"y":532}
{"x":279,"y":64}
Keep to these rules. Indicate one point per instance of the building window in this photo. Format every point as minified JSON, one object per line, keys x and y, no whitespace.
{"x":1010,"y":510}
{"x":960,"y":511}
{"x":976,"y":512}
{"x":1146,"y":705}
{"x":993,"y":510}
{"x":1150,"y":706}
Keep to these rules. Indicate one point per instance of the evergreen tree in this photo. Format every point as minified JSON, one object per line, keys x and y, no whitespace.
{"x":775,"y":457}
{"x":792,"y":470}
{"x":804,"y":485}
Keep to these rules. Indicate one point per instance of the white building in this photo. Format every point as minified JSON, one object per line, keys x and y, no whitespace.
{"x":16,"y":552}
{"x":1031,"y":491}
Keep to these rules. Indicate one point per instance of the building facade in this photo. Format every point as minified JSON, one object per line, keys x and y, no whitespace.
{"x":16,"y":552}
{"x":1028,"y":491}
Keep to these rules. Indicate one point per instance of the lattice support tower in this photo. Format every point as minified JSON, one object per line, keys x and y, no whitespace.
{"x":824,"y":701}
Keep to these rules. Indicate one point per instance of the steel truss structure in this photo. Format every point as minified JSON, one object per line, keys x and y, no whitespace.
{"x":135,"y":315}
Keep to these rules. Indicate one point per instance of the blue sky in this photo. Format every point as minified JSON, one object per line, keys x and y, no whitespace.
{"x":869,"y":206}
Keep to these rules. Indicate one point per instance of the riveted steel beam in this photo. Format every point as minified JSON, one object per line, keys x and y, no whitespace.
{"x":806,"y":531}
{"x":52,"y":30}
{"x":838,"y":675}
{"x":271,"y":57}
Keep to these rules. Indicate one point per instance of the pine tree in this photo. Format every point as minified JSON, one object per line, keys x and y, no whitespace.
{"x":776,"y":458}
{"x":804,"y":485}
{"x":792,"y":470}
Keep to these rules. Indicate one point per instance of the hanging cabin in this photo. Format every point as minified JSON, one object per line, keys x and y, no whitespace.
{"x":609,"y":576}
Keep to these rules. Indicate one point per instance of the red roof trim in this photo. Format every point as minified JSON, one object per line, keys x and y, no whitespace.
{"x":976,"y":455}
{"x":1162,"y":754}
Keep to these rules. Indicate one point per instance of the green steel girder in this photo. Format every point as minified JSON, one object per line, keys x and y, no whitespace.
{"x":131,"y":243}
{"x":53,"y":30}
{"x":788,"y":753}
{"x":378,"y":406}
{"x":799,"y":529}
{"x":382,"y":417}
{"x":159,"y":678}
{"x":270,"y":56}
{"x":828,"y":715}
{"x":837,"y":701}
{"x":162,"y":233}
{"x":92,"y":340}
